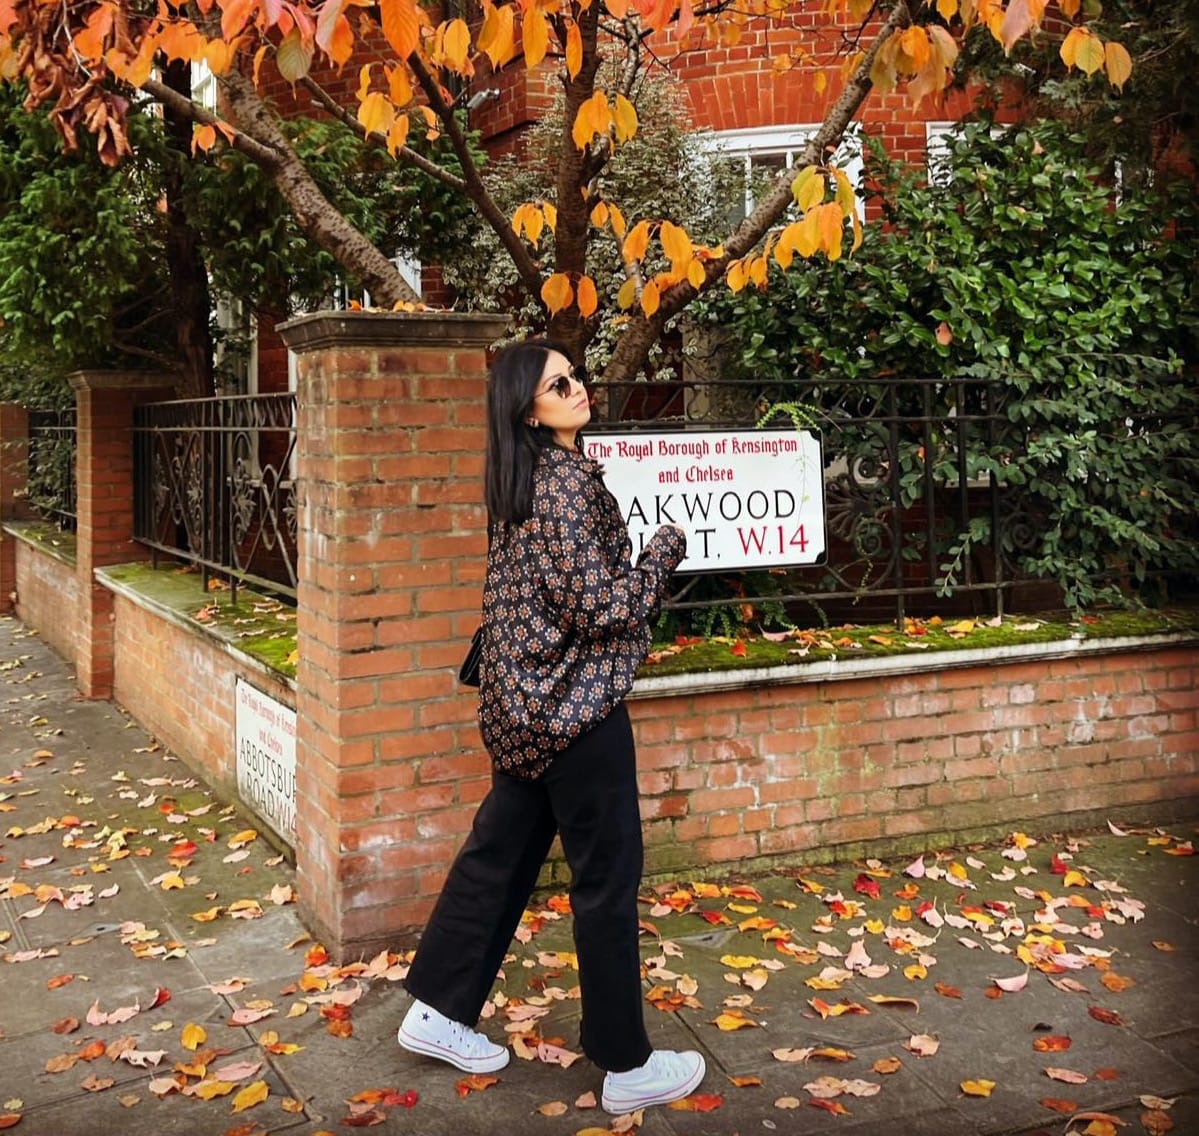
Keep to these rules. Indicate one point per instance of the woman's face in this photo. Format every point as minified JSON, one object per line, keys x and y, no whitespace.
{"x":561,"y":403}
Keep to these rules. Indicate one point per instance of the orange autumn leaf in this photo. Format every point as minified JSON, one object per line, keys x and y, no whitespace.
{"x":1052,"y":1044}
{"x":91,"y":1052}
{"x":475,"y":1083}
{"x":745,"y":1082}
{"x":1116,"y":983}
{"x":1059,"y":1105}
{"x":1108,"y":1017}
{"x":699,"y":1102}
{"x":835,"y":1107}
{"x":947,"y":991}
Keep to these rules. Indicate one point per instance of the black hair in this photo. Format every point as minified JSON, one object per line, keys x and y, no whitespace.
{"x":513,"y":446}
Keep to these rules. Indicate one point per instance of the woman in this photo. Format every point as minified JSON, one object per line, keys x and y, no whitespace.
{"x":566,"y":625}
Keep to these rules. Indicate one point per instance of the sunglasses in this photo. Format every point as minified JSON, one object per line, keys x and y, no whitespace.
{"x":563,"y":385}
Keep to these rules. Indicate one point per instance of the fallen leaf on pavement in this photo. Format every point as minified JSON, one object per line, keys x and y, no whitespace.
{"x":250,"y":1096}
{"x":475,"y":1083}
{"x":698,"y":1102}
{"x":1067,"y":1075}
{"x":979,"y":1088}
{"x":553,"y":1108}
{"x":1051,"y":1044}
{"x":1108,"y":1017}
{"x":922,"y":1045}
{"x":1156,"y":1123}
{"x":1059,"y":1105}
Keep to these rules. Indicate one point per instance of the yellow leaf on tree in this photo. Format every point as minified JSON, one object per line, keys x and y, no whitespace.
{"x":193,"y":1036}
{"x":497,"y":36}
{"x":831,"y":229}
{"x":736,"y":276}
{"x":251,"y":1095}
{"x":1118,"y":64}
{"x":1083,"y":49}
{"x":399,"y":85}
{"x":574,"y":49}
{"x":535,"y":34}
{"x":636,"y":243}
{"x":397,"y":137}
{"x":557,"y":293}
{"x":617,"y":219}
{"x":401,"y":25}
{"x":599,"y":215}
{"x":675,"y":243}
{"x":203,"y":137}
{"x":807,"y":234}
{"x":456,"y":45}
{"x":696,"y":274}
{"x":808,"y":188}
{"x":375,"y":115}
{"x":627,"y":296}
{"x":588,"y":299}
{"x":624,"y":115}
{"x":650,"y":298}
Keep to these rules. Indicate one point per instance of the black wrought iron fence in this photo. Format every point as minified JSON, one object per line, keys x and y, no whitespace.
{"x":916,"y":522}
{"x":51,"y":468}
{"x":214,"y":486}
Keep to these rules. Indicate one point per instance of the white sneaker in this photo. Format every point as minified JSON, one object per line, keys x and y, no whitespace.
{"x":426,"y":1031}
{"x":667,"y":1076}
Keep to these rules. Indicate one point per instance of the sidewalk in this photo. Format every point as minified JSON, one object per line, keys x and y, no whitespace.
{"x":129,"y":893}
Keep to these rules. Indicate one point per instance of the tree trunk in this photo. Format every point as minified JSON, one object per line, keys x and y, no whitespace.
{"x":190,"y":300}
{"x":312,"y":210}
{"x":634,"y":346}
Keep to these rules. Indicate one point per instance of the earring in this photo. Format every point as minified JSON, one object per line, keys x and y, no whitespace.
{"x":533,"y":422}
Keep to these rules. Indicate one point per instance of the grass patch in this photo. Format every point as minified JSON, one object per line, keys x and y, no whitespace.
{"x":918,"y":637}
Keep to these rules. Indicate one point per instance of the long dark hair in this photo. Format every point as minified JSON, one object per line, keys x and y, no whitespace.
{"x":513,"y":446}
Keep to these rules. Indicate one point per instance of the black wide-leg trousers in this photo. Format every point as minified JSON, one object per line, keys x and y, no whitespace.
{"x":589,"y":797}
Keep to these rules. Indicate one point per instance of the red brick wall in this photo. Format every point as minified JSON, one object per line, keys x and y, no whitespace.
{"x":802,"y":769}
{"x":47,"y":597}
{"x":179,"y":684}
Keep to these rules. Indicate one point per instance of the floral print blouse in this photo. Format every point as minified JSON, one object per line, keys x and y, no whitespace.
{"x":566,"y":617}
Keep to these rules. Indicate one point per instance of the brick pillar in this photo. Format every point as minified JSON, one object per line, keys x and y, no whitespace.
{"x":104,"y":402}
{"x":14,"y":481}
{"x":392,"y":541}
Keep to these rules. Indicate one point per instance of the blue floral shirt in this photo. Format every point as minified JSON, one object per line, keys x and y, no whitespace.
{"x":566,"y":617}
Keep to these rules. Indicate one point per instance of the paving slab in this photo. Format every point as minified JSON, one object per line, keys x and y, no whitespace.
{"x":107,"y":773}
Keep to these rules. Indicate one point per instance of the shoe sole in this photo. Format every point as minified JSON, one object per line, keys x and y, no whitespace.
{"x":466,"y":1064}
{"x":634,"y":1103}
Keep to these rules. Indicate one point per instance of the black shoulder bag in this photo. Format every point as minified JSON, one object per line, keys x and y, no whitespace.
{"x":468,"y":673}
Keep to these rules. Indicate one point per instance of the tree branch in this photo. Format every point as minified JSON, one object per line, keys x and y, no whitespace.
{"x":527,"y":270}
{"x":634,"y":346}
{"x":314,"y":213}
{"x":375,"y":139}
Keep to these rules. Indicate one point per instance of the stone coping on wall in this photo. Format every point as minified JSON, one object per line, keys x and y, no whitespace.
{"x":391,"y":329}
{"x":840,"y":670}
{"x":174,"y":608}
{"x":45,"y":538}
{"x":171,"y":609}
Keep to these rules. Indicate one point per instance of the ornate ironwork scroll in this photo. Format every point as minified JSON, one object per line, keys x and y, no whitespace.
{"x":215,"y":486}
{"x":912,"y":510}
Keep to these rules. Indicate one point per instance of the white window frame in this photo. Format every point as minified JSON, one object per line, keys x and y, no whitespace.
{"x":937,"y":139}
{"x":787,"y":141}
